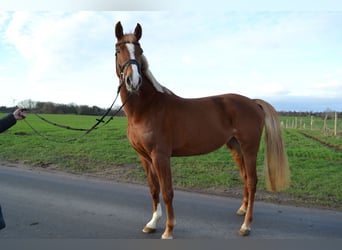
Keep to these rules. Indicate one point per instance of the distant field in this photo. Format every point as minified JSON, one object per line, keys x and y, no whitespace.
{"x":316,"y":165}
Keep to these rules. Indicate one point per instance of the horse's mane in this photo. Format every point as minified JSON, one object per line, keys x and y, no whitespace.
{"x":146,"y":71}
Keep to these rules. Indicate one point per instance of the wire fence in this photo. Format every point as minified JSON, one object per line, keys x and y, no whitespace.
{"x":329,"y":124}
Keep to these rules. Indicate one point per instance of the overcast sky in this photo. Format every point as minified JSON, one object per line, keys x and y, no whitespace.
{"x":292,"y":59}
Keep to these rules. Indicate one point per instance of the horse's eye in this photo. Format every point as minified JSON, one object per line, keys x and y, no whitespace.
{"x":117,"y":51}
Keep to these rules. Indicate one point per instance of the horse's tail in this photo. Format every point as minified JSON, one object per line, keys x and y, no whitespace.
{"x":276,"y":163}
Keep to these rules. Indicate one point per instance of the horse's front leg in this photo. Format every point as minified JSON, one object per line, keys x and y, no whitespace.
{"x":153,"y":183}
{"x":161,"y":164}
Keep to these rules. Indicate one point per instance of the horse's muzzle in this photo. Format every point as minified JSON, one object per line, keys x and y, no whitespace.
{"x":133,"y":83}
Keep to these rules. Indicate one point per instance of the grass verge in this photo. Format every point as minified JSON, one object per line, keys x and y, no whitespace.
{"x":316,"y":171}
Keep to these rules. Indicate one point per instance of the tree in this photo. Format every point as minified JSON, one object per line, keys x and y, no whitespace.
{"x":28,"y":104}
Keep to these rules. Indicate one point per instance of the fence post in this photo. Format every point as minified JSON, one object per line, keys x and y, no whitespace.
{"x":335,"y":126}
{"x":325,"y":129}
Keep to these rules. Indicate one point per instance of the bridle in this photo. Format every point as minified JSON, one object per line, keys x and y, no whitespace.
{"x":123,"y":67}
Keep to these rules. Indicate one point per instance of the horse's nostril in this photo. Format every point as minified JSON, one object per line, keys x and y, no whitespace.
{"x":128,"y":81}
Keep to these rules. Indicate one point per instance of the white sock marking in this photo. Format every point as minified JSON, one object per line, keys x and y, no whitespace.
{"x":244,"y":227}
{"x":155,"y":218}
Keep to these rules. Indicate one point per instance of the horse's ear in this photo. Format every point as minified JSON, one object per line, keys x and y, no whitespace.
{"x":138,"y":31}
{"x":118,"y":30}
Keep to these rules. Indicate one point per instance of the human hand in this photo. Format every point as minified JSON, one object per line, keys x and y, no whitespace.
{"x":19,"y":114}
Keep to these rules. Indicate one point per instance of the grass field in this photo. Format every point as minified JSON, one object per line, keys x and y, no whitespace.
{"x":316,"y":167}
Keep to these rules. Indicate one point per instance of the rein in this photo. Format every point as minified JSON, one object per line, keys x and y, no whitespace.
{"x":101,"y":120}
{"x":87,"y":131}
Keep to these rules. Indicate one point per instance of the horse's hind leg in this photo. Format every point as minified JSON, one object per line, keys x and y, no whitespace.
{"x":247,"y":164}
{"x":153,"y":183}
{"x":234,"y":147}
{"x":250,"y":168}
{"x":243,"y":208}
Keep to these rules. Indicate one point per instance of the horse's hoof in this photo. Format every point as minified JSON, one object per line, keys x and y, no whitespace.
{"x":241,"y":212}
{"x":244,"y":230}
{"x":166,"y":237}
{"x":148,"y":230}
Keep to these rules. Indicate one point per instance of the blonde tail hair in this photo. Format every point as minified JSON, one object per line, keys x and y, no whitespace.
{"x":276,"y":163}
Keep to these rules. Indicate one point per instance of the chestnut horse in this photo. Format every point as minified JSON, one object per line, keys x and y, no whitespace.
{"x":162,"y":124}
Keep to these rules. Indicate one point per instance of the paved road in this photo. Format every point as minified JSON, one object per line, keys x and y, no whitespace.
{"x":54,"y":205}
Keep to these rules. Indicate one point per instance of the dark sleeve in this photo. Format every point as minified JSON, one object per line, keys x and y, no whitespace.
{"x":7,"y":122}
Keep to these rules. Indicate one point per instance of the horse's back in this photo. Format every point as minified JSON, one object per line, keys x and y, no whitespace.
{"x":234,"y":107}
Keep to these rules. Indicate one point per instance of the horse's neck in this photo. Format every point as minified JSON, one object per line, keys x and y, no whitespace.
{"x":138,"y":103}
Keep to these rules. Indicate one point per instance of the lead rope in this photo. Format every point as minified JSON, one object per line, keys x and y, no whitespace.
{"x":87,"y":131}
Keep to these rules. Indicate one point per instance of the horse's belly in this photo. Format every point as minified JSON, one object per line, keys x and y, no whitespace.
{"x":199,"y":146}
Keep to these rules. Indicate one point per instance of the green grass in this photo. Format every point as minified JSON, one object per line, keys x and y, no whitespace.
{"x":316,"y":172}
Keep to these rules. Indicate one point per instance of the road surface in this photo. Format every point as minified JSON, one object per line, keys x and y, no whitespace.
{"x":45,"y":205}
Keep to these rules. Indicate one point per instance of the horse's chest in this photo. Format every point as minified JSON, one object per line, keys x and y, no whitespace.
{"x":140,"y":138}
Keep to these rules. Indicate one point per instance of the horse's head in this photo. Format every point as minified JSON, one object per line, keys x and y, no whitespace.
{"x":128,"y":57}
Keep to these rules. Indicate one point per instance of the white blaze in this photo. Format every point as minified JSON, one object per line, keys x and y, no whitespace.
{"x":135,"y":75}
